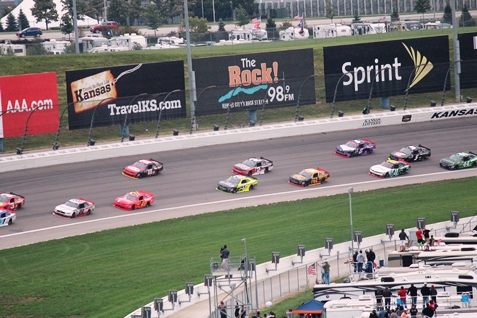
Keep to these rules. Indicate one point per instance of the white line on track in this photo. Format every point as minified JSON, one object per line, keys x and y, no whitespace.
{"x":251,"y":198}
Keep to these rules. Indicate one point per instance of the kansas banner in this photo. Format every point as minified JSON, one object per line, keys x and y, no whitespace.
{"x":240,"y":82}
{"x":139,"y":92}
{"x":30,"y":101}
{"x":389,"y":68}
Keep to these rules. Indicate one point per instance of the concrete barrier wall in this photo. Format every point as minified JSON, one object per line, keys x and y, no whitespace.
{"x":129,"y":148}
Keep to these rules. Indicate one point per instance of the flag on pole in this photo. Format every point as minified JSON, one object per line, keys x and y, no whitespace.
{"x":382,"y":19}
{"x":299,"y":17}
{"x":312,"y":269}
{"x":257,"y":20}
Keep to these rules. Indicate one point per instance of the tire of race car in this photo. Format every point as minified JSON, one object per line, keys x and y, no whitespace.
{"x":10,"y":222}
{"x":322,"y":181}
{"x":19,"y":207}
{"x":88,"y":212}
{"x":148,"y":204}
{"x":139,"y":175}
{"x":234,"y":190}
{"x":266,"y":170}
{"x":73,"y":215}
{"x":133,"y":207}
{"x":386,"y":175}
{"x":251,"y":187}
{"x":249,"y":173}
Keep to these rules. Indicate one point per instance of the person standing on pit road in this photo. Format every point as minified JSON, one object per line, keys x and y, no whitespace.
{"x":387,"y":295}
{"x":371,"y":257}
{"x":224,"y":254}
{"x":326,"y":273}
{"x":403,"y":238}
{"x":402,"y":293}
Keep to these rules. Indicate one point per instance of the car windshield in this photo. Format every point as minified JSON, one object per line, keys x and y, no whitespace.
{"x":140,"y":165}
{"x":233,"y":180}
{"x":131,"y":197}
{"x":3,"y":198}
{"x":387,"y":164}
{"x":249,"y":163}
{"x":455,"y":157}
{"x":406,"y":150}
{"x":71,"y":204}
{"x":351,"y":144}
{"x":306,"y":174}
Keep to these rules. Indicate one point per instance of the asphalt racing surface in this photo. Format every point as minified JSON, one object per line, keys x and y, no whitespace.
{"x":187,"y":184}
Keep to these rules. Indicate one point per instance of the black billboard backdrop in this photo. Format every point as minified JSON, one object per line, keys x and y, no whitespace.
{"x":420,"y":63}
{"x":468,"y":56}
{"x":135,"y":90}
{"x":243,"y":82}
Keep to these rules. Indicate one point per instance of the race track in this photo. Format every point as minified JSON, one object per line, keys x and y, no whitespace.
{"x":187,"y":184}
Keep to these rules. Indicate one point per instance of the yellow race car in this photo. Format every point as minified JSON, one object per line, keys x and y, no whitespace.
{"x":310,"y":177}
{"x":237,"y":183}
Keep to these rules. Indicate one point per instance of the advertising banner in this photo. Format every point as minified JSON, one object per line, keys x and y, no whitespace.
{"x":131,"y":93}
{"x":29,"y":101}
{"x":468,"y":56}
{"x":241,"y":82}
{"x":386,"y":68}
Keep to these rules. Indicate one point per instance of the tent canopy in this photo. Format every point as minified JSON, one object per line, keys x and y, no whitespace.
{"x":310,"y":307}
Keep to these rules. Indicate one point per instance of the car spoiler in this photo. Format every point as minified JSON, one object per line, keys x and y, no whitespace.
{"x":21,"y":196}
{"x":424,"y":147}
{"x":145,"y":193}
{"x":321,"y":169}
{"x":365,"y":139}
{"x":266,"y":159}
{"x":87,"y":200}
{"x":473,"y":153}
{"x":156,"y":161}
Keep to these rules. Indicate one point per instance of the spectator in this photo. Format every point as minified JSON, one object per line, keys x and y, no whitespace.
{"x":224,"y":254}
{"x":432,"y":241}
{"x":425,"y":292}
{"x":325,"y":275}
{"x":355,"y":261}
{"x":404,"y":314}
{"x":237,"y":310}
{"x":222,"y":310}
{"x":373,"y":314}
{"x":345,"y":297}
{"x":289,"y":313}
{"x":361,"y":260}
{"x":387,"y":295}
{"x":399,"y":311}
{"x":403,"y":238}
{"x":402,"y":293}
{"x":428,"y":311}
{"x":393,"y":314}
{"x":425,"y":233}
{"x":420,"y":238}
{"x":243,"y":312}
{"x":371,"y":257}
{"x":413,"y":311}
{"x":433,"y":293}
{"x":412,"y":291}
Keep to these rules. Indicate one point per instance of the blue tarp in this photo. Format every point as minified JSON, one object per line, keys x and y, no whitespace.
{"x":310,"y":307}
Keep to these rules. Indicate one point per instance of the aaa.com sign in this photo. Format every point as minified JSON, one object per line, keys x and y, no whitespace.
{"x":28,"y":99}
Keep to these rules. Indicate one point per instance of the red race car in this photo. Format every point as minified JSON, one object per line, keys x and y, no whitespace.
{"x":253,"y":166}
{"x":143,"y":168}
{"x":11,"y":201}
{"x":134,"y":200}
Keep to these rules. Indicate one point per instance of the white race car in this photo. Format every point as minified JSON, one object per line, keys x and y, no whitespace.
{"x":75,"y":207}
{"x":7,"y":217}
{"x":390,"y":168}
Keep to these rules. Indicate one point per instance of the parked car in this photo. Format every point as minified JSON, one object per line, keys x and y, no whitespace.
{"x":108,"y":25}
{"x":35,"y":32}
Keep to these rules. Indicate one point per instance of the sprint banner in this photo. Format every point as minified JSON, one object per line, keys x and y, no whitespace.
{"x":253,"y":81}
{"x":386,"y":68}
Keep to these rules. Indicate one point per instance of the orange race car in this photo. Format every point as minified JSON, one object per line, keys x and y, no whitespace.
{"x":134,"y":200}
{"x":11,"y":201}
{"x":310,"y":177}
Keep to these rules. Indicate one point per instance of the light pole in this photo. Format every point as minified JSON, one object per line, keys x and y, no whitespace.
{"x":409,"y":82}
{"x":126,"y":117}
{"x":192,"y":117}
{"x":90,"y":142}
{"x":350,"y":190}
{"x":160,"y":111}
{"x":336,"y":90}
{"x":371,"y":89}
{"x":299,"y":95}
{"x":445,"y":81}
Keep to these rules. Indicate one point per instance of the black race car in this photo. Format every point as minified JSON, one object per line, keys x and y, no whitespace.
{"x":411,"y":153}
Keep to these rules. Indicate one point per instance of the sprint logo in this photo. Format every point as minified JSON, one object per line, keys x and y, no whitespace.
{"x":422,"y":66}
